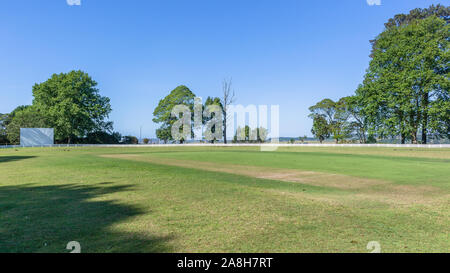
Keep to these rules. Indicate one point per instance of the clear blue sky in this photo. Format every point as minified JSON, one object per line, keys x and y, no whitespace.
{"x":287,"y":52}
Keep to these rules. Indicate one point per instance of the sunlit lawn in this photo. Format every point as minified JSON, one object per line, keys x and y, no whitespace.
{"x":224,"y":199}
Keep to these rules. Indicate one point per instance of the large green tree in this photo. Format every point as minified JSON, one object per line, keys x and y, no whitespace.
{"x":321,"y":128}
{"x":210,"y":132}
{"x":334,"y":114}
{"x":3,"y":132}
{"x":401,"y":19}
{"x":73,"y":105}
{"x":163,"y":112}
{"x":352,"y":108}
{"x":438,"y":10}
{"x":406,"y":86}
{"x":164,"y":133}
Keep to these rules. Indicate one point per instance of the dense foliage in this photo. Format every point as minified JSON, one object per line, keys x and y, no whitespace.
{"x":73,"y":105}
{"x":163,"y":112}
{"x":405,"y":92}
{"x":68,"y":102}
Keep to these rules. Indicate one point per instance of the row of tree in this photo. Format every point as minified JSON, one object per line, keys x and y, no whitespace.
{"x":249,"y":135}
{"x":182,"y":95}
{"x":71,"y":104}
{"x":405,"y":92}
{"x":341,"y":120}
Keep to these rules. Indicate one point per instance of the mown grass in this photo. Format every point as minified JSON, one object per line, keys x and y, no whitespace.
{"x":399,"y":169}
{"x":49,"y":197}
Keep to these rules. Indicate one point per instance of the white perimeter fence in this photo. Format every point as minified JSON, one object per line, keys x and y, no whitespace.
{"x":229,"y":145}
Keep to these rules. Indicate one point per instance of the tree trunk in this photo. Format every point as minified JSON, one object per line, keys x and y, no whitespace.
{"x":225,"y":128}
{"x":424,"y":135}
{"x":425,"y":118}
{"x":403,"y":139}
{"x":414,"y":138}
{"x":414,"y":124}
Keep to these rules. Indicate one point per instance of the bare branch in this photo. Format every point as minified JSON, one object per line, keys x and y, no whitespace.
{"x":228,"y":93}
{"x":227,"y":99}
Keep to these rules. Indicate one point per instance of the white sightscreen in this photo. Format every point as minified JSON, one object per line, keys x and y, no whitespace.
{"x":36,"y":136}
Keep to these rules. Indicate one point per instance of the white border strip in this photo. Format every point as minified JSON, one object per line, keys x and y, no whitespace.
{"x":229,"y":145}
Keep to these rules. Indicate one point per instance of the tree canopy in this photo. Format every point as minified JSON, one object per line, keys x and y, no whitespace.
{"x":406,"y":86}
{"x":401,"y":19}
{"x":321,"y":128}
{"x":72,"y":104}
{"x":330,"y":118}
{"x":163,"y":112}
{"x":214,"y":123}
{"x":405,"y":92}
{"x":438,"y":10}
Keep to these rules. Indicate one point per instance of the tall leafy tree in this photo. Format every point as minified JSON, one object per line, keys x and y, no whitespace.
{"x":325,"y":108}
{"x":164,"y":133}
{"x":163,"y":112}
{"x":357,"y":121}
{"x":406,"y":86}
{"x":321,"y":128}
{"x":335,"y":116}
{"x":73,"y":105}
{"x":3,"y":132}
{"x":209,"y":102}
{"x":401,"y":19}
{"x":341,"y":127}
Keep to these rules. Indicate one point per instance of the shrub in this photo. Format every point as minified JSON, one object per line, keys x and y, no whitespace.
{"x":102,"y":138}
{"x":130,"y":140}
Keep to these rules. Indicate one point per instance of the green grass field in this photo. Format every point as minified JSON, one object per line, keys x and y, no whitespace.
{"x":201,"y":199}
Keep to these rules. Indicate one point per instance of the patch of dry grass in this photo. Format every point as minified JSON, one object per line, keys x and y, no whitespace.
{"x":360,"y":188}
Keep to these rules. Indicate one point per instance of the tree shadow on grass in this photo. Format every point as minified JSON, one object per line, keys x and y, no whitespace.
{"x":4,"y":159}
{"x":46,"y":218}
